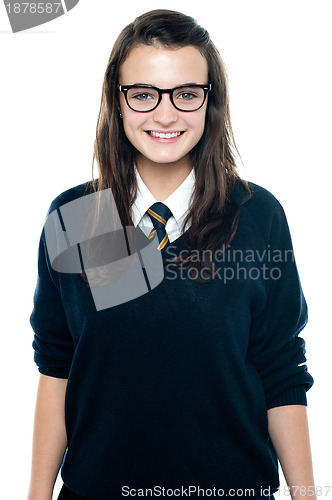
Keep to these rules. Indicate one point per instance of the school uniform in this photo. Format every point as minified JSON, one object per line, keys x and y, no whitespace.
{"x":172,"y":388}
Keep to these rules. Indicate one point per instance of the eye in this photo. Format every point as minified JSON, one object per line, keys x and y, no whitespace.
{"x":142,"y":96}
{"x":187,"y":96}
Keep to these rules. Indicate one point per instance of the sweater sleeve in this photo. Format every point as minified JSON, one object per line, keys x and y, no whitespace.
{"x":294,"y":396}
{"x":276,"y":349}
{"x":53,"y":343}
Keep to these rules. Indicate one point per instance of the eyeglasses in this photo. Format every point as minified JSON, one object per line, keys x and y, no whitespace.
{"x":145,"y":98}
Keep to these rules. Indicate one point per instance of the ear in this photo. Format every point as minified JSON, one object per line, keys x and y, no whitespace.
{"x":118,"y":104}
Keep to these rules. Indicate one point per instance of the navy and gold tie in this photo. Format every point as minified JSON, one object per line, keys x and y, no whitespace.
{"x":159,"y":214}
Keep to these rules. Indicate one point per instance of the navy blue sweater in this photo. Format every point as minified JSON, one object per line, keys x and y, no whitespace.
{"x":171,"y":389}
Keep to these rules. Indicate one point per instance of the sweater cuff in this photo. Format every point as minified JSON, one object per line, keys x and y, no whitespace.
{"x":292,"y":396}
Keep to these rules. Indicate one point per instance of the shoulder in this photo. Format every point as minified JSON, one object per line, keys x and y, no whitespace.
{"x":259,"y":198}
{"x":260,"y":208}
{"x":71,"y":194}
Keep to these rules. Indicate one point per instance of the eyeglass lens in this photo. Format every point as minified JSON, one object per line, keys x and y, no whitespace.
{"x":185,"y":98}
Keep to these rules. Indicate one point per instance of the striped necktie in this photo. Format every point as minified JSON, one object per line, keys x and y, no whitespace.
{"x":159,"y":214}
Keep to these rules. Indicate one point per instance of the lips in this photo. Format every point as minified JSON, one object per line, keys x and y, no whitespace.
{"x":171,"y":134}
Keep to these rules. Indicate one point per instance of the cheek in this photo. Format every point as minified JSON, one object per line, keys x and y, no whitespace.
{"x":131,"y":123}
{"x":130,"y":120}
{"x":198,"y":124}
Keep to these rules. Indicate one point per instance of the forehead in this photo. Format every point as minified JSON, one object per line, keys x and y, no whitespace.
{"x":163,"y":67}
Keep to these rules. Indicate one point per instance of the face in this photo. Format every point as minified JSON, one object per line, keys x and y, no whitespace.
{"x":163,"y":68}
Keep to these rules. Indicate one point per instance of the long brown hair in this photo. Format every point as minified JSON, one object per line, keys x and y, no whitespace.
{"x":212,"y":212}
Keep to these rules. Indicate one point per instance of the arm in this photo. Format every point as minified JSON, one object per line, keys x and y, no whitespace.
{"x":49,"y":437}
{"x":289,"y":433}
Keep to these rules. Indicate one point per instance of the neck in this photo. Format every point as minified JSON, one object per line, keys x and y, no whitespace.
{"x":162,"y":179}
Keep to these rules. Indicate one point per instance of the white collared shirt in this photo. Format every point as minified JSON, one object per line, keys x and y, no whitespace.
{"x":177,"y":202}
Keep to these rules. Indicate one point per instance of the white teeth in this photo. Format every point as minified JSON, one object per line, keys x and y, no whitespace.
{"x":164,"y":136}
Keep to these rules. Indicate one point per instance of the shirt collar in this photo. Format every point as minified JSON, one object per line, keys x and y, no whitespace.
{"x":177,"y":202}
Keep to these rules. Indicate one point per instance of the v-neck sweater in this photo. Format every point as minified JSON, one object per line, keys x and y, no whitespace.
{"x":172,"y":388}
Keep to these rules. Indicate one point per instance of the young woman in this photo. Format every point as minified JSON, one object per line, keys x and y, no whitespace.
{"x":197,"y":384}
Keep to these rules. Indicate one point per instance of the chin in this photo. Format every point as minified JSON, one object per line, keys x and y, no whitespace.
{"x":164,"y":158}
{"x":166,"y":161}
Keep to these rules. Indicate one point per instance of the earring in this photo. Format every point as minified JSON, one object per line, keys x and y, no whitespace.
{"x":120,"y":115}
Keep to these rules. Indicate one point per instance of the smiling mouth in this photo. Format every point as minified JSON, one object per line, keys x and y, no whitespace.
{"x":164,"y":135}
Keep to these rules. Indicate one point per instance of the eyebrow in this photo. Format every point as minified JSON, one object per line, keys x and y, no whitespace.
{"x":153,"y":85}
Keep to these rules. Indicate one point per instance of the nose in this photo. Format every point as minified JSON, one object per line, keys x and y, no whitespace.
{"x":165,"y":113}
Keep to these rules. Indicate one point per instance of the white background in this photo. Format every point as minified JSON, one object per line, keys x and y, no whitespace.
{"x":278,"y":57}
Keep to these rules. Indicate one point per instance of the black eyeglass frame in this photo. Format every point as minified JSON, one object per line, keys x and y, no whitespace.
{"x":124,"y":89}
